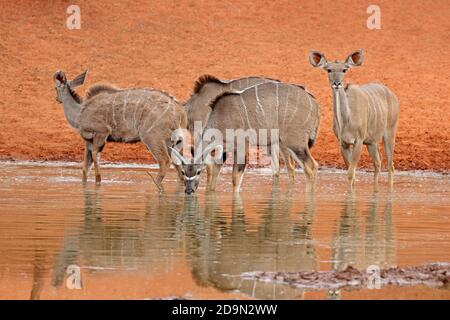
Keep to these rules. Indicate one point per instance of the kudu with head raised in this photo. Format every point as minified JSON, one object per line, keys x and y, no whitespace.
{"x":287,"y":109}
{"x":121,"y":115}
{"x":363,"y":114}
{"x":206,"y":89}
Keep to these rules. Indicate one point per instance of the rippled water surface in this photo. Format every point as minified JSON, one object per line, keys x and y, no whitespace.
{"x":131,"y":242}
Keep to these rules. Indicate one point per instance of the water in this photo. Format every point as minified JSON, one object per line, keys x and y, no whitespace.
{"x":131,"y":242}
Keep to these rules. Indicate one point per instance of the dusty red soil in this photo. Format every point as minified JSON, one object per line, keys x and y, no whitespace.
{"x":167,"y":45}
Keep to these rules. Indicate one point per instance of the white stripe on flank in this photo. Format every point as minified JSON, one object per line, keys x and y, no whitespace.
{"x":113,"y":112}
{"x":246,"y":113}
{"x":259,"y":102}
{"x":144,"y":108}
{"x":278,"y":103}
{"x":310,"y":110}
{"x":136,"y":107}
{"x":287,"y":105}
{"x":296,"y":107}
{"x":124,"y":111}
{"x":373,"y":105}
{"x":160,"y":117}
{"x":242,"y":118}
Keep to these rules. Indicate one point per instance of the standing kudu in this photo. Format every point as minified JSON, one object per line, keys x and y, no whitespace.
{"x":363,"y":114}
{"x":207,"y":88}
{"x":289,"y":110}
{"x":121,"y":115}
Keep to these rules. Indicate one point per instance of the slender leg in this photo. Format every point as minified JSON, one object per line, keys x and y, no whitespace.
{"x":87,"y":162}
{"x":275,"y":160}
{"x":96,"y":157}
{"x":160,"y":152}
{"x":389,"y":146}
{"x":164,"y":165}
{"x":374,"y":153}
{"x":290,"y":163}
{"x":97,"y":146}
{"x":311,"y":165}
{"x":238,"y":175}
{"x":303,"y":157}
{"x":346,"y":153}
{"x":356,"y":154}
{"x":209,"y":170}
{"x":215,"y":170}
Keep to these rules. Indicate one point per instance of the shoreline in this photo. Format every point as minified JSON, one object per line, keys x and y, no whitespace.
{"x":252,"y":168}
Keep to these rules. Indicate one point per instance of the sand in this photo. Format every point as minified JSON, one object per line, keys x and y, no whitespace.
{"x":168,"y":45}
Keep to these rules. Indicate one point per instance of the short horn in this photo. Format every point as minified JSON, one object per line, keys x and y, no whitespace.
{"x":179,"y":156}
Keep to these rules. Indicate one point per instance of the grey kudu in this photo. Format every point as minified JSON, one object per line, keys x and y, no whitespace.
{"x":289,"y":109}
{"x":363,"y":114}
{"x":121,"y":115}
{"x":206,"y":89}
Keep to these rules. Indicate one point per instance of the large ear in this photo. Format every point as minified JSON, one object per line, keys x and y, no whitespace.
{"x":79,"y":80}
{"x":355,"y":59}
{"x":179,"y":159}
{"x":59,"y":78}
{"x":317,"y":59}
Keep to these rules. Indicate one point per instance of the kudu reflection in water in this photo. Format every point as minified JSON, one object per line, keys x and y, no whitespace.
{"x":221,"y":251}
{"x":360,"y":248}
{"x":39,"y":271}
{"x":99,"y":245}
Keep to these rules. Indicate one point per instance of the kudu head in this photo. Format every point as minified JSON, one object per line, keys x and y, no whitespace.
{"x":336,"y":69}
{"x":192,"y":170}
{"x":61,"y":83}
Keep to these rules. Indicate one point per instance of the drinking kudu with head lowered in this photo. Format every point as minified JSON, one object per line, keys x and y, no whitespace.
{"x":287,"y":113}
{"x":207,"y":88}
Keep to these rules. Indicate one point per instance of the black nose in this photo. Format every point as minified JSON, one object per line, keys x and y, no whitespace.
{"x":189,"y":191}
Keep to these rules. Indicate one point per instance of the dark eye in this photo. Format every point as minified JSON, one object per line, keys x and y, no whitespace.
{"x":344,"y":71}
{"x":329,"y":71}
{"x":199,"y":171}
{"x":182,"y":172}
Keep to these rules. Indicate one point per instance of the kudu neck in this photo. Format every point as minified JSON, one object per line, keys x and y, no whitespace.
{"x":213,"y":90}
{"x":71,"y":107}
{"x":341,"y":109}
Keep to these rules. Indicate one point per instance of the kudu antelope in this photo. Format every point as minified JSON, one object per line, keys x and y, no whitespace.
{"x":289,"y":110}
{"x":206,"y":89}
{"x":121,"y":115}
{"x":363,"y":114}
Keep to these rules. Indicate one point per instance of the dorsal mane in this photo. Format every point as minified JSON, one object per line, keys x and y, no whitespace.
{"x":204,"y":79}
{"x":99,"y":88}
{"x":214,"y":102}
